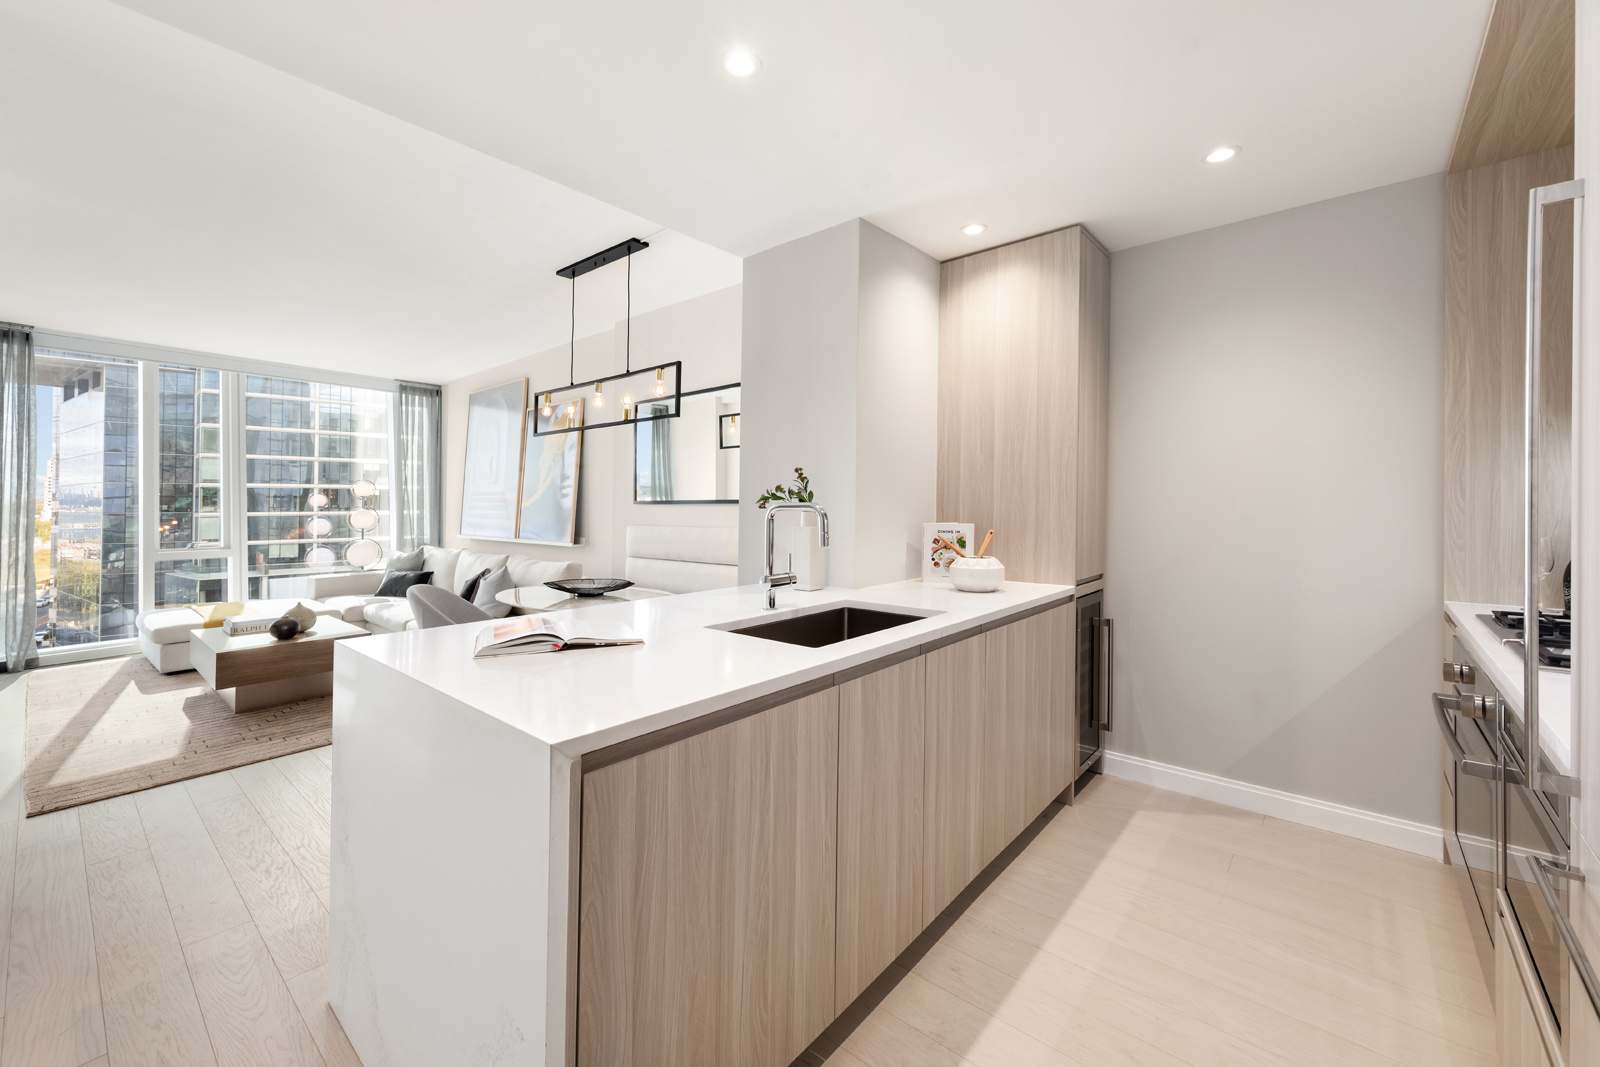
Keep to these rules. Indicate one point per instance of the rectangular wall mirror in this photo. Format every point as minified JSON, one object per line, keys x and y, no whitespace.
{"x":694,"y":458}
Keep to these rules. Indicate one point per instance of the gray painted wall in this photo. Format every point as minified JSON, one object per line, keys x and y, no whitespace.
{"x":841,"y":363}
{"x":1276,"y":391}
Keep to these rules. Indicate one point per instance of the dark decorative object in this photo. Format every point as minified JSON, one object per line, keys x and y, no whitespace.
{"x":283,"y":629}
{"x":395,"y":583}
{"x":589,"y":586}
{"x":469,"y":592}
{"x":1566,"y":589}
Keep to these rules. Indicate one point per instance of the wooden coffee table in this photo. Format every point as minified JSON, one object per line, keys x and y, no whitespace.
{"x":259,"y":671}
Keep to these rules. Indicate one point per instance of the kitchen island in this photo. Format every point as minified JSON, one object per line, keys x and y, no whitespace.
{"x":699,"y":849}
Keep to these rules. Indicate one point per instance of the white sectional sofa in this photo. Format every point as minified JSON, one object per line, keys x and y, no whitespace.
{"x":354,"y":594}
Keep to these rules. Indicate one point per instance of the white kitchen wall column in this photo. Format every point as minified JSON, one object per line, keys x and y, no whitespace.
{"x":841,"y":364}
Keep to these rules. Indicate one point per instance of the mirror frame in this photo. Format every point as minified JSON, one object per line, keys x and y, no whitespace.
{"x":634,"y":477}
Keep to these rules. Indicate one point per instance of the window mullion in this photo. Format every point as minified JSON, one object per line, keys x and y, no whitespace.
{"x":149,"y":480}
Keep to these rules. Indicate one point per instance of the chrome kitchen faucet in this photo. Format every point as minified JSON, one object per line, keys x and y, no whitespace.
{"x":770,"y":580}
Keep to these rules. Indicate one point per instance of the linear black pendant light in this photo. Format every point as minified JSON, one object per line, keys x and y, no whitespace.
{"x":584,"y":405}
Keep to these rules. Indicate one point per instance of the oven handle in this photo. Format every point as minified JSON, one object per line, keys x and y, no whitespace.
{"x":1569,"y":937}
{"x":1476,"y":768}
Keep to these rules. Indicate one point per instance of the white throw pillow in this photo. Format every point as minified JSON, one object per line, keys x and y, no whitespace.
{"x":410,"y":561}
{"x":442,"y":562}
{"x":496,"y":581}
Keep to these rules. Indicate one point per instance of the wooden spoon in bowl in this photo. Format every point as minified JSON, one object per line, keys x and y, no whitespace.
{"x":985,"y":547}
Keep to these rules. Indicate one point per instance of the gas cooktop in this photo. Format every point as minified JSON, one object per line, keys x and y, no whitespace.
{"x":1555,"y":635}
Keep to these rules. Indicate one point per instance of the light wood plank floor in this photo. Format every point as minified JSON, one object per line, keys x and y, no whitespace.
{"x":188,"y":925}
{"x":185,"y":925}
{"x":1140,"y":927}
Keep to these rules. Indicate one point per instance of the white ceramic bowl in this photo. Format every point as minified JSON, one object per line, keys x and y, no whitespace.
{"x":977,"y":575}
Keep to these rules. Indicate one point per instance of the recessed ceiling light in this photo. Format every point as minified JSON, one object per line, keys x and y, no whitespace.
{"x":1223,"y":154}
{"x":972,"y":229}
{"x":740,"y":64}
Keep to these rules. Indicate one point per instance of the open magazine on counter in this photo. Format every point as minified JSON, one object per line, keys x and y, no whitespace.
{"x":541,"y":633}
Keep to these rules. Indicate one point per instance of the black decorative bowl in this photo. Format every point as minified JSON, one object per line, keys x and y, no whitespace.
{"x":590,"y":586}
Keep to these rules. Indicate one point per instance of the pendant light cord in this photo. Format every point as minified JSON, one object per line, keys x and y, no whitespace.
{"x":572,"y":339}
{"x":627,"y":344}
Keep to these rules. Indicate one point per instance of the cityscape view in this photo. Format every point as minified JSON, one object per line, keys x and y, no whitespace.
{"x":302,"y":442}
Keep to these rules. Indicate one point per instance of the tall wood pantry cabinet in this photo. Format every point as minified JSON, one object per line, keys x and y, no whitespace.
{"x":1024,"y":349}
{"x":1024,"y":367}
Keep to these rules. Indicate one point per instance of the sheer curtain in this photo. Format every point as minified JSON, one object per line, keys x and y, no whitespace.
{"x":18,"y":469}
{"x":661,"y":456}
{"x":419,"y":448}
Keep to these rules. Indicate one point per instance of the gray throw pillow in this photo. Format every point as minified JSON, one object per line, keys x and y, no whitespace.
{"x":496,"y":581}
{"x":411,"y":561}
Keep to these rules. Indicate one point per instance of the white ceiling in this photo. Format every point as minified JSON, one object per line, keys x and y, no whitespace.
{"x":920,"y":115}
{"x":157,"y":188}
{"x":388,"y":185}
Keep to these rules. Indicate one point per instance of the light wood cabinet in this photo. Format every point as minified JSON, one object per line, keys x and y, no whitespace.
{"x":1094,"y":409}
{"x":999,"y":744}
{"x":1008,"y":715}
{"x":707,"y":895}
{"x":1024,"y":346}
{"x":739,"y":887}
{"x":1055,"y":646}
{"x":954,"y":740}
{"x":880,"y":892}
{"x":1486,"y":242}
{"x":1028,"y":722}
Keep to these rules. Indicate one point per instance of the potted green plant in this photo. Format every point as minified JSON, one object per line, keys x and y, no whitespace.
{"x":797,"y":493}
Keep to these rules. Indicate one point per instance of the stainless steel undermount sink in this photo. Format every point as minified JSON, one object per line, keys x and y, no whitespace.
{"x":826,"y":626}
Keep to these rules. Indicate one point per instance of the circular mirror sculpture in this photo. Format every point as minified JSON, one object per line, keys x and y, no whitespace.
{"x":364,"y":488}
{"x":320,"y":557}
{"x":362,"y":553}
{"x":319,"y":527}
{"x":363,"y":519}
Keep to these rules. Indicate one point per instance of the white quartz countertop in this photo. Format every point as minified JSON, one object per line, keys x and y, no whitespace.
{"x":1504,"y":668}
{"x":584,"y":699}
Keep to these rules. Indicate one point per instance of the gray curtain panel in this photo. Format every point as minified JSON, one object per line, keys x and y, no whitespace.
{"x":419,"y":447}
{"x":661,"y":457}
{"x":18,"y":469}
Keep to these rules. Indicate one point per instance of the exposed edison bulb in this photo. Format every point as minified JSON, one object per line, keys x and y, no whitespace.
{"x":661,"y":381}
{"x":733,"y":424}
{"x":572,"y":409}
{"x":627,"y":406}
{"x":545,"y":411}
{"x":599,"y":397}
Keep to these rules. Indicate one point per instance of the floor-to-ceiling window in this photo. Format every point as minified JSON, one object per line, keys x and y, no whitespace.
{"x":251,"y":480}
{"x":87,"y":498}
{"x":307,"y":444}
{"x":189,"y":428}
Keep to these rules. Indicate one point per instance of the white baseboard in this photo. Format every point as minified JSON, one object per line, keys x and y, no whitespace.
{"x":1387,"y":830}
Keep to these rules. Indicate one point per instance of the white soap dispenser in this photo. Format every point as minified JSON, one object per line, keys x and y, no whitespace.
{"x":808,"y":557}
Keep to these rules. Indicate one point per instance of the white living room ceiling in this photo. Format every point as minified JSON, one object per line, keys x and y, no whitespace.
{"x":921,"y":115}
{"x":157,"y":188}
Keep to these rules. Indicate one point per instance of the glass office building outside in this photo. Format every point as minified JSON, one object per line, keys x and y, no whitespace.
{"x":252,"y":473}
{"x":90,"y":591}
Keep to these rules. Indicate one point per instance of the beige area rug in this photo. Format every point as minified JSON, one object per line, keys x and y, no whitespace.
{"x":109,"y":727}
